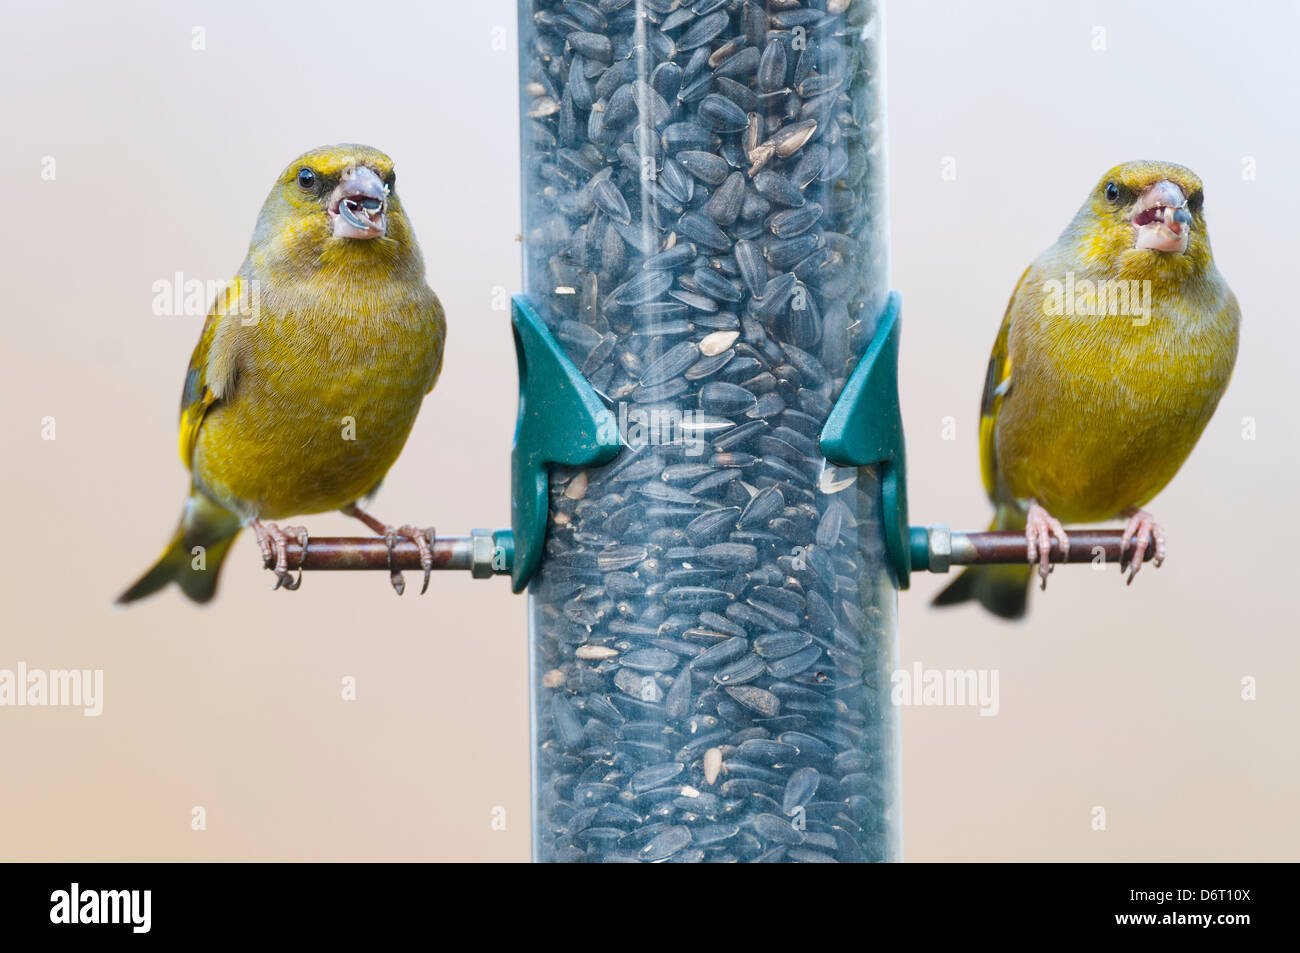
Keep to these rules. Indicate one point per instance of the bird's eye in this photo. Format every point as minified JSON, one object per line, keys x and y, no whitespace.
{"x":1112,"y":192}
{"x":306,"y":179}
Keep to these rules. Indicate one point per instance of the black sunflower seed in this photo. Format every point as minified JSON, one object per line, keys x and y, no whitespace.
{"x":706,"y":166}
{"x":772,"y":67}
{"x":592,"y":45}
{"x":720,"y":114}
{"x":674,"y":361}
{"x":723,"y":207}
{"x":728,"y":399}
{"x":778,"y":188}
{"x":705,"y":30}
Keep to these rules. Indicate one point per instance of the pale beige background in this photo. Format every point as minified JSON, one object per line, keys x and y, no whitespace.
{"x":1125,"y":698}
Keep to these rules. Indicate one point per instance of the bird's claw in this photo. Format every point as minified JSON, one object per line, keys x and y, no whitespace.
{"x":1040,"y":527}
{"x":273,"y":542}
{"x":395,"y":576}
{"x":1141,"y":529}
{"x":423,"y":539}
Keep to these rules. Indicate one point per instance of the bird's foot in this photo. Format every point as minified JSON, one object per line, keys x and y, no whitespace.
{"x":1141,"y":529}
{"x":273,"y":541}
{"x":423,"y":539}
{"x":1040,"y":527}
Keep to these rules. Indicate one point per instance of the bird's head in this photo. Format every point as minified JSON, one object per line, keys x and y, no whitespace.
{"x":335,"y":206}
{"x":1144,"y":219}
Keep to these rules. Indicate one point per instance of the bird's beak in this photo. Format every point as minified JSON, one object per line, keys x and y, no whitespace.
{"x":357,"y":206}
{"x":1160,"y":219}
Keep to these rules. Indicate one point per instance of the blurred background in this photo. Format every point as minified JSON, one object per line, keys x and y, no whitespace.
{"x":164,"y":128}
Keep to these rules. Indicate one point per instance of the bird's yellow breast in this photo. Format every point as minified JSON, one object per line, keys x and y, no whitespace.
{"x":323,"y":400}
{"x":1103,"y":409}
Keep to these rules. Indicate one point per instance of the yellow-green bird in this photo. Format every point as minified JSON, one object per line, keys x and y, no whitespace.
{"x":309,"y":373}
{"x":1115,"y":349}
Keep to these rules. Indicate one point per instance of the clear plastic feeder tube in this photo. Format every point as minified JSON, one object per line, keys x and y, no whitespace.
{"x":712,"y":625}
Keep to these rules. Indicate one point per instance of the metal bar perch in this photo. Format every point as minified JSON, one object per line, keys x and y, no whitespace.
{"x":936,"y":548}
{"x":483,"y":553}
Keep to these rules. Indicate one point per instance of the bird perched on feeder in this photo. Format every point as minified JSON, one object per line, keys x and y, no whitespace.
{"x":1116,"y":346}
{"x":309,"y":372}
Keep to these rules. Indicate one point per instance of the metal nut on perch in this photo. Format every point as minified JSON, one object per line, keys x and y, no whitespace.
{"x":482,"y":550}
{"x":940,"y":543}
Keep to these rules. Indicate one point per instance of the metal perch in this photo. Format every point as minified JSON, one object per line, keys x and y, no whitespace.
{"x":485,"y":553}
{"x":936,"y":548}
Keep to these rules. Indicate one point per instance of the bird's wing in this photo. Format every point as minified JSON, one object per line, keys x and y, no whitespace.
{"x":211,"y":374}
{"x":997,"y":383}
{"x":438,"y":328}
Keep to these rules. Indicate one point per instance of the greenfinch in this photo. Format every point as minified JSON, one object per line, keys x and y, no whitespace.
{"x":1116,"y":346}
{"x":309,"y":373}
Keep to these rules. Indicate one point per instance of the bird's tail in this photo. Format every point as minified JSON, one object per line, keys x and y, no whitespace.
{"x":1003,"y":590}
{"x":193,"y":558}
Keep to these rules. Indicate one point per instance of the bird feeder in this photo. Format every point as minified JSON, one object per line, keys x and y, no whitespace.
{"x":709,"y":506}
{"x":699,"y":507}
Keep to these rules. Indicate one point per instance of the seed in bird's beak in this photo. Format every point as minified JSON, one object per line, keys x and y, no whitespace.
{"x":1161,"y":220}
{"x":358,"y":204}
{"x":1175,"y":219}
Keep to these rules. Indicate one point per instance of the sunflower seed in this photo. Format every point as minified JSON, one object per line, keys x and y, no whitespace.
{"x":771,"y":69}
{"x":742,"y":670}
{"x":670,"y":259}
{"x":666,"y":844}
{"x":704,"y":30}
{"x":695,"y":227}
{"x":674,"y":361}
{"x":728,"y":399}
{"x":791,"y":138}
{"x":718,"y":342}
{"x":741,"y":66}
{"x":649,"y":660}
{"x":762,"y":507}
{"x":732,"y":556}
{"x":591,"y":45}
{"x":778,"y":188}
{"x":686,"y":135}
{"x":720,"y":114}
{"x":721,"y":654}
{"x":792,"y":665}
{"x":752,"y":267}
{"x":611,"y":201}
{"x":641,"y":289}
{"x":705,"y":166}
{"x":775,"y":645}
{"x":769,"y":827}
{"x":655,"y":775}
{"x":795,"y":221}
{"x":724,"y":205}
{"x":738,"y":93}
